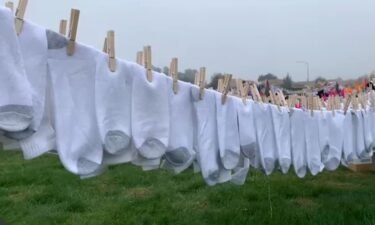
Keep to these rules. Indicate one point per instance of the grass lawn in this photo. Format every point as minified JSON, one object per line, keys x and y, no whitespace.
{"x":42,"y":192}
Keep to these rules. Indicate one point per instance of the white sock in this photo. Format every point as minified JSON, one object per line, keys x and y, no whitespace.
{"x":367,"y":121}
{"x":208,"y":155}
{"x":33,"y":43}
{"x":15,"y":103}
{"x":281,"y":127}
{"x":180,"y":153}
{"x":240,"y":172}
{"x":247,"y":132}
{"x":372,"y":115}
{"x":73,"y":84}
{"x":336,"y":140}
{"x":297,"y":132}
{"x":44,"y":139}
{"x":359,"y":135}
{"x":323,"y":117}
{"x":313,"y":153}
{"x":227,"y":129}
{"x":349,"y":146}
{"x":150,"y":113}
{"x":265,"y":136}
{"x":113,"y":104}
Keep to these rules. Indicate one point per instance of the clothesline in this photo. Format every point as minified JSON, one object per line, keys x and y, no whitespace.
{"x":96,"y":110}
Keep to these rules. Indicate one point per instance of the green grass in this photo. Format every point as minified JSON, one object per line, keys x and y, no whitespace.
{"x":42,"y":192}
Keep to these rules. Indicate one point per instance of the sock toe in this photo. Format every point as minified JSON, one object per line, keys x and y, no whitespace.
{"x":230,"y":159}
{"x":152,"y":149}
{"x":115,"y":141}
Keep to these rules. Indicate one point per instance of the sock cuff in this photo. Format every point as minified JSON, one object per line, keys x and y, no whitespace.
{"x":41,"y":142}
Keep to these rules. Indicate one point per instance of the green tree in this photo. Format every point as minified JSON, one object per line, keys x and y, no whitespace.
{"x":268,"y":76}
{"x":287,"y":82}
{"x":320,"y":79}
{"x":215,"y":80}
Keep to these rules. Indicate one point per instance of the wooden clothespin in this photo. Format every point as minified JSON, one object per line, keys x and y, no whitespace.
{"x":304,"y":101}
{"x":362,"y":101}
{"x":311,"y":104}
{"x":105,"y":46}
{"x":202,"y":80}
{"x":256,"y":92}
{"x":73,"y":26}
{"x":20,"y":14}
{"x":372,"y":100}
{"x":196,"y":79}
{"x":148,"y":62}
{"x":140,"y":58}
{"x":347,"y":103}
{"x":282,"y":98}
{"x":173,"y":71}
{"x":292,"y":101}
{"x":272,"y":97}
{"x":355,"y":102}
{"x":337,"y":102}
{"x":242,"y":90}
{"x":9,"y":5}
{"x":220,"y":83}
{"x":225,"y":90}
{"x":62,"y":28}
{"x":111,"y":50}
{"x":332,"y":105}
{"x":239,"y":87}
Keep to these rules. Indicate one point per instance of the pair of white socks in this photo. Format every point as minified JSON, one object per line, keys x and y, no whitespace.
{"x":73,"y":89}
{"x":228,"y":131}
{"x":336,"y":131}
{"x":297,"y":132}
{"x":247,"y":132}
{"x":281,"y":129}
{"x":16,"y":111}
{"x":180,"y":153}
{"x":208,"y":155}
{"x":150,"y":117}
{"x":313,"y":151}
{"x":265,"y":134}
{"x":113,"y":94}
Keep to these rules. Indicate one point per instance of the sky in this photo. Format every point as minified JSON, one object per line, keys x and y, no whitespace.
{"x":243,"y":37}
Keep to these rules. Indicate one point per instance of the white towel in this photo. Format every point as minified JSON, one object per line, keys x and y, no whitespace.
{"x":228,"y":131}
{"x":281,"y":128}
{"x":113,"y":107}
{"x":180,"y":153}
{"x":73,"y":84}
{"x":208,"y":155}
{"x":15,"y":102}
{"x":265,"y":136}
{"x":247,"y":131}
{"x":150,"y":114}
{"x":297,"y":132}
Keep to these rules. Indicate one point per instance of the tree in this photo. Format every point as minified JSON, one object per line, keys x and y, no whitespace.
{"x":268,"y":76}
{"x":188,"y":75}
{"x":287,"y":82}
{"x":320,"y":80}
{"x":166,"y":70}
{"x":215,"y":80}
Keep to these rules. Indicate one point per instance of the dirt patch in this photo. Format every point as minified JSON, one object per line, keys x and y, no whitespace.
{"x":139,"y":192}
{"x":305,"y":202}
